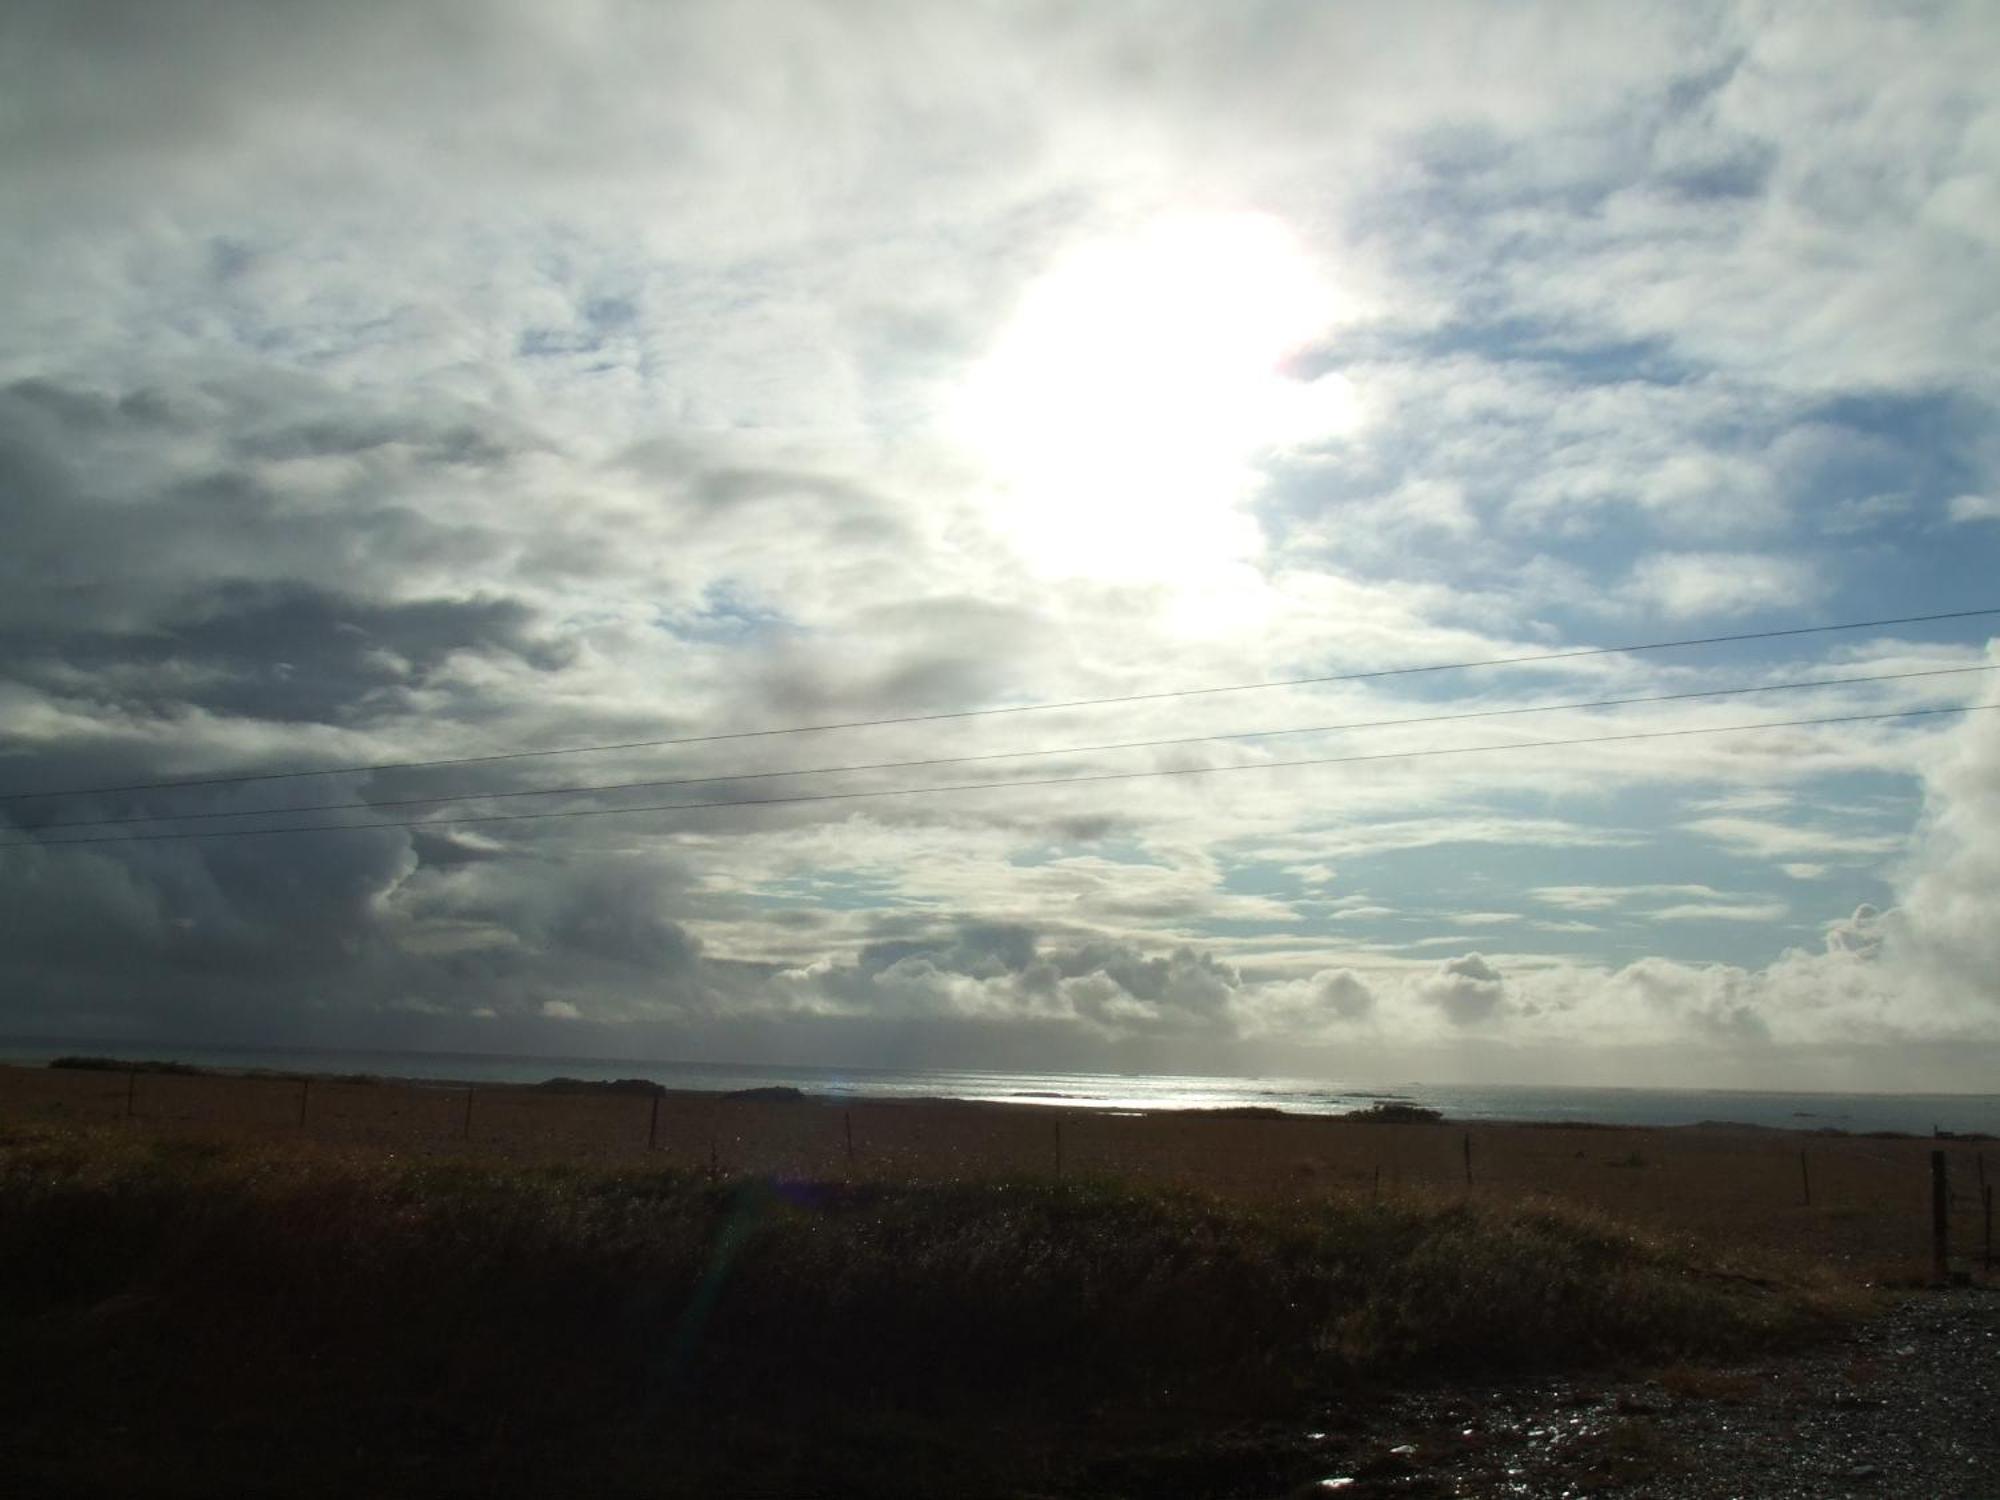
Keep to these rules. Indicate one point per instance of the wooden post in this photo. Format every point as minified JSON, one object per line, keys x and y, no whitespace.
{"x":305,"y":1092}
{"x":1940,"y":1266}
{"x":1986,"y":1194}
{"x":1805,"y":1177}
{"x":1059,"y":1147}
{"x":653,"y":1126}
{"x":847,"y":1128}
{"x":1468,"y":1158}
{"x":465,"y":1131}
{"x":131,"y":1094}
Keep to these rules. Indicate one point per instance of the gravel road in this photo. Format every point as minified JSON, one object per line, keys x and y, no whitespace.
{"x":1906,"y":1407}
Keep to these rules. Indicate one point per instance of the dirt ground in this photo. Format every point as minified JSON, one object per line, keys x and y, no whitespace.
{"x":1901,"y":1406}
{"x":1868,"y":1214}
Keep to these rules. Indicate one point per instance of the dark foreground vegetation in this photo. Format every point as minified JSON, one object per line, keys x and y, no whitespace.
{"x":118,"y":1065}
{"x":198,"y":1316}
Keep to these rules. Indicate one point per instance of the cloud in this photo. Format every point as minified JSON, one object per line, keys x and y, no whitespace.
{"x":398,"y":383}
{"x":1603,"y":897}
{"x":1861,"y":934}
{"x":1344,"y":993}
{"x":1768,"y":840}
{"x":1719,"y":911}
{"x":1963,"y":508}
{"x":1010,"y":975}
{"x":1687,"y":585}
{"x":1468,"y":990}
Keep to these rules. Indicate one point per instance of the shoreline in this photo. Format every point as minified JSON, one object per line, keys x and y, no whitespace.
{"x":1380,"y":1107}
{"x":35,"y":1051}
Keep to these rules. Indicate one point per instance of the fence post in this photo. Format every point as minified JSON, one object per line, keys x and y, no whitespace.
{"x":714,"y":1157}
{"x":131,"y":1094}
{"x":1986,"y":1193}
{"x":305,"y":1092}
{"x":653,"y":1126}
{"x":1468,"y":1158}
{"x":1059,"y":1147}
{"x":1940,"y":1266}
{"x":1805,"y":1176}
{"x":847,"y":1129}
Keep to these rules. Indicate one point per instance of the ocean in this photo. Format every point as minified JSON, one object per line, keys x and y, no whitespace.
{"x":1917,"y":1114}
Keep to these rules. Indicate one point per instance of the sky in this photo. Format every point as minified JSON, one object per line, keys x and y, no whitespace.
{"x":421,"y":381}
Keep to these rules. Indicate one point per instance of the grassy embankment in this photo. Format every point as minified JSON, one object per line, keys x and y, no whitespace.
{"x":206,"y":1316}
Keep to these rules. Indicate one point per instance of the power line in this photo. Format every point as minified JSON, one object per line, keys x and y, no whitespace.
{"x":987,"y":786}
{"x":236,"y":779}
{"x":443,"y":798}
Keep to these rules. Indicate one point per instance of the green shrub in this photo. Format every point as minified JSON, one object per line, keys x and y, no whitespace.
{"x":592,"y":1312}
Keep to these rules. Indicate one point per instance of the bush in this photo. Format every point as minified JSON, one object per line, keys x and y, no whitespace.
{"x":1395,"y":1112}
{"x":337,"y":1306}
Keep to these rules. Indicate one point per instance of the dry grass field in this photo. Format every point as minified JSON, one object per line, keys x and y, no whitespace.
{"x":1715,"y":1187}
{"x":194,"y":1309}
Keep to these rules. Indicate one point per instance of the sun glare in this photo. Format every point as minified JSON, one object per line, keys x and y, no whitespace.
{"x":1122,"y":411}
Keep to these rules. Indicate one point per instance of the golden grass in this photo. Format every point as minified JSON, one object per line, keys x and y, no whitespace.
{"x":1720,"y":1189}
{"x":623,"y":1326}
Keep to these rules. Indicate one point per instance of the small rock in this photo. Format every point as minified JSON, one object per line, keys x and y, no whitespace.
{"x":1864,"y":1471}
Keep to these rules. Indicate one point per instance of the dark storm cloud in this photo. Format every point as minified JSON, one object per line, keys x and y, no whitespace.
{"x":979,"y":950}
{"x":121,"y":509}
{"x":142,"y":939}
{"x":169,"y":605}
{"x":1022,"y":976}
{"x":283,"y":651}
{"x":169,"y":583}
{"x":332,"y":933}
{"x":615,"y":919}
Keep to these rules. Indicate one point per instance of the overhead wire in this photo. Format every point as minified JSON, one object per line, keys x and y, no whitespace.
{"x":987,"y":786}
{"x":1374,"y":674}
{"x":584,"y":789}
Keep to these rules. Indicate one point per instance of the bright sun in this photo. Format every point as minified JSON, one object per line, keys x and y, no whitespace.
{"x":1124,"y":407}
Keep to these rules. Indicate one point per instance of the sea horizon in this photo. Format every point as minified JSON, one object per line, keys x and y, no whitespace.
{"x":1627,"y":1105}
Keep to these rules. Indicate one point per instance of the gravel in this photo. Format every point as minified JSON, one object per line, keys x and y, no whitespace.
{"x":1907,"y":1406}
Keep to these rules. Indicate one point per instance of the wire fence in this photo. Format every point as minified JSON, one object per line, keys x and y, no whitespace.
{"x":1870,"y":1203}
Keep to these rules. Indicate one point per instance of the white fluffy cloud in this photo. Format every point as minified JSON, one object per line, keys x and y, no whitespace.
{"x":1689,"y":585}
